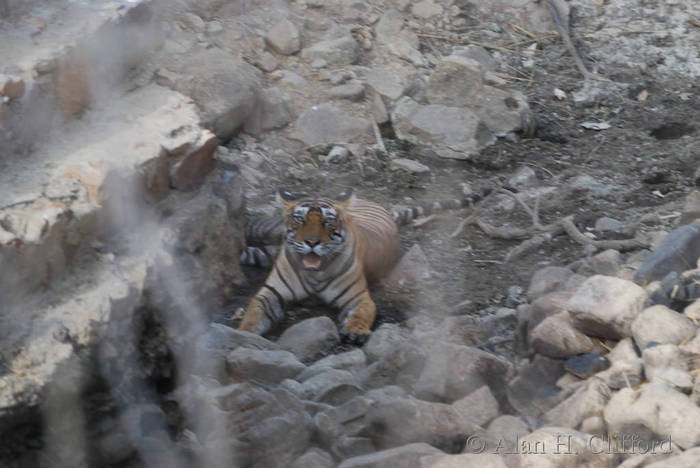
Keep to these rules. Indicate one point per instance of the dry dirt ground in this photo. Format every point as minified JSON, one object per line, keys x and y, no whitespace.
{"x":644,"y":163}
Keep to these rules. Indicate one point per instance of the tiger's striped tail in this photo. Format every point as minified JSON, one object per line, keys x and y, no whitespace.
{"x":404,"y":216}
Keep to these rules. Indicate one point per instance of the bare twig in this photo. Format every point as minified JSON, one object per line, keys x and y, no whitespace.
{"x":624,"y":244}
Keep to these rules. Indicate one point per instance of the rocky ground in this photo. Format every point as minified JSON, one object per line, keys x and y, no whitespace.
{"x":552,"y":325}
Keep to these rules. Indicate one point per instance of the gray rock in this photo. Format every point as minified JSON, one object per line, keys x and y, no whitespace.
{"x":399,"y":41}
{"x":274,"y":110}
{"x":406,"y":420}
{"x":379,"y":112}
{"x":671,"y":254}
{"x":578,"y":450}
{"x":477,"y":53}
{"x":284,"y":38}
{"x":408,"y":165}
{"x":426,"y":9}
{"x":687,"y":459}
{"x":224,"y":87}
{"x":590,"y":185}
{"x":327,"y":124}
{"x":585,"y":365}
{"x":313,"y":458}
{"x":692,"y":311}
{"x":480,"y":406}
{"x":402,"y":365}
{"x":342,"y":421}
{"x":524,"y":177}
{"x":547,"y":280}
{"x":350,"y":91}
{"x":452,"y":371}
{"x":337,"y":155}
{"x":466,"y":460}
{"x":348,"y":447}
{"x":607,"y":263}
{"x":451,"y":132}
{"x":332,"y":386}
{"x":353,"y":361}
{"x":334,"y":52}
{"x":407,"y":456}
{"x":509,"y":429}
{"x":589,"y":400}
{"x":606,"y":224}
{"x":627,"y":367}
{"x":546,"y":306}
{"x":213,"y":346}
{"x":556,"y":337}
{"x":655,"y":410}
{"x":605,"y":306}
{"x":665,"y":364}
{"x":389,"y":81}
{"x":532,"y":390}
{"x":310,"y":338}
{"x":384,"y":340}
{"x":662,"y":325}
{"x":271,"y":366}
{"x":293,"y":79}
{"x":458,"y":81}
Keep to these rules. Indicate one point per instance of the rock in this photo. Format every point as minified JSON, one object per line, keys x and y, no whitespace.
{"x":399,"y":41}
{"x":452,"y":372}
{"x":408,"y":165}
{"x":327,"y":124}
{"x":386,"y":338}
{"x":266,"y":62}
{"x":671,"y":254}
{"x":292,"y":79}
{"x":405,"y":420}
{"x":691,"y":206}
{"x":389,"y":81}
{"x":212,"y":347}
{"x":350,"y":91}
{"x":401,"y":365}
{"x":426,"y":9}
{"x":585,"y":184}
{"x":225,"y":88}
{"x":605,"y":263}
{"x":547,"y":306}
{"x":271,"y":366}
{"x":313,"y":458}
{"x":605,"y":306}
{"x":547,"y":280}
{"x":332,"y":386}
{"x":662,"y":325}
{"x":451,"y":132}
{"x":273,"y":110}
{"x":337,"y":155}
{"x":687,"y":459}
{"x":284,"y":38}
{"x":477,"y":53}
{"x":11,"y":87}
{"x":310,"y":338}
{"x":480,"y":406}
{"x":342,"y":421}
{"x":192,"y":167}
{"x":532,"y":390}
{"x":407,"y":456}
{"x":693,"y":311}
{"x":458,"y":81}
{"x":348,"y":447}
{"x":589,"y":400}
{"x":559,"y":447}
{"x":336,"y":52}
{"x":508,"y":429}
{"x":524,"y":177}
{"x":606,"y":224}
{"x":379,"y":112}
{"x":409,"y":275}
{"x":656,"y":410}
{"x":586,"y":365}
{"x":627,"y":367}
{"x":556,"y":337}
{"x":468,"y":460}
{"x":664,"y":364}
{"x":352,"y":361}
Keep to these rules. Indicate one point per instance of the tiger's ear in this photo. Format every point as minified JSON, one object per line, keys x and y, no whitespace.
{"x":286,"y":197}
{"x":345,"y":197}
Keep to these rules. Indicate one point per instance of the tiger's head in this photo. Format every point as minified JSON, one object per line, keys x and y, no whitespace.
{"x":316,"y":228}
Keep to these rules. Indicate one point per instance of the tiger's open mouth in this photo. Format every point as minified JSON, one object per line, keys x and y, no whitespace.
{"x":311,"y":261}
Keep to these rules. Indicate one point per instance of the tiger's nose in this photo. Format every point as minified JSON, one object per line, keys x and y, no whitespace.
{"x":313,"y":241}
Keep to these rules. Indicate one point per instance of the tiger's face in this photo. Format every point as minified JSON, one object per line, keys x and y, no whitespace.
{"x":315,"y":229}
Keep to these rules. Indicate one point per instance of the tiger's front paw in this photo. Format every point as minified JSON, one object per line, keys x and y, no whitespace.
{"x":354,"y":332}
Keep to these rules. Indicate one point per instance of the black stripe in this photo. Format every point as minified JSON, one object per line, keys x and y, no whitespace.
{"x":352,"y":299}
{"x":267,"y":309}
{"x":345,"y":290}
{"x":277,"y":295}
{"x":284,"y":281}
{"x":303,"y":285}
{"x":348,"y":264}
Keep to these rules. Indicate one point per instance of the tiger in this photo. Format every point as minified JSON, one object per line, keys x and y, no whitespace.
{"x":332,"y":249}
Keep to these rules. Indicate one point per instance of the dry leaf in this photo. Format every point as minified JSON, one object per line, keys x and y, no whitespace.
{"x":559,"y":94}
{"x":643,"y":95}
